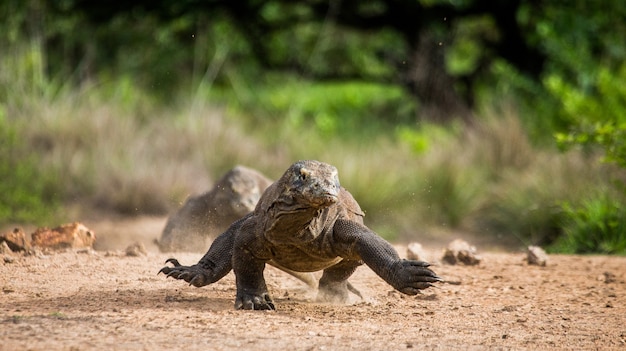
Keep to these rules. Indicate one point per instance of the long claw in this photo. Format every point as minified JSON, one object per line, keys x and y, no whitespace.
{"x":173,"y":261}
{"x":169,"y":270}
{"x":432,"y":279}
{"x":265,"y":307}
{"x":423,"y":286}
{"x":173,"y":274}
{"x":195,"y":280}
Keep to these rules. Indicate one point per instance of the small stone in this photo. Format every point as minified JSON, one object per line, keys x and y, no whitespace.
{"x":537,"y":256}
{"x":460,"y":251}
{"x":415,"y":251}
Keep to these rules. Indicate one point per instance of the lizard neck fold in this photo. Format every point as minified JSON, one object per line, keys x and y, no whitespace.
{"x":292,"y":221}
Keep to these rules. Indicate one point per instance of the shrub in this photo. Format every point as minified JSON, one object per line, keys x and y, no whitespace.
{"x":29,"y":193}
{"x":599,"y":119}
{"x":598,"y":225}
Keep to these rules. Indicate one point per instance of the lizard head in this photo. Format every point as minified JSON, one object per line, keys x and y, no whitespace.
{"x":240,"y":190}
{"x":312,"y":183}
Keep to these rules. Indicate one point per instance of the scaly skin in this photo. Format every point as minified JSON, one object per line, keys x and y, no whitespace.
{"x":304,"y":222}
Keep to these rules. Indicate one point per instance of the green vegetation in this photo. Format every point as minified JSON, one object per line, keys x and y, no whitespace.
{"x":30,"y":193}
{"x":596,"y":225}
{"x":598,"y":119}
{"x":133,"y":114}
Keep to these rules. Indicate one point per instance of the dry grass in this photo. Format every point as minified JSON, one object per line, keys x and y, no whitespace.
{"x":122,"y":152}
{"x":107,"y":155}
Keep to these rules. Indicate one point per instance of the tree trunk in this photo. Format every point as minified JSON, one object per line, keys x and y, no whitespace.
{"x":432,"y":85}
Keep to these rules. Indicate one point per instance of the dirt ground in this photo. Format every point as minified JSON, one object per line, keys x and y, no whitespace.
{"x":104,"y":299}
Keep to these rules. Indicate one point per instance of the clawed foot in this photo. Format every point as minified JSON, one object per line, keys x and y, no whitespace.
{"x":194,"y":275}
{"x":412,"y":276}
{"x":254,"y":301}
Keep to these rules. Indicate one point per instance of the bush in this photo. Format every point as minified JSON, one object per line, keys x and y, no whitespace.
{"x":599,"y":119}
{"x":349,"y":110}
{"x":29,"y":193}
{"x":598,"y":225}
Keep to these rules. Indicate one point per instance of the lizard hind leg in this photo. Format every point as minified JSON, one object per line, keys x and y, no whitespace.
{"x":334,"y":286}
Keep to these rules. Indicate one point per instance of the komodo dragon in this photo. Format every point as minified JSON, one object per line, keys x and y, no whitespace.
{"x":204,"y":217}
{"x":303,"y":222}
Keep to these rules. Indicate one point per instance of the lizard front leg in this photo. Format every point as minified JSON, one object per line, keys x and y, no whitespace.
{"x":252,"y":293}
{"x":355,"y":241}
{"x":213,"y":266}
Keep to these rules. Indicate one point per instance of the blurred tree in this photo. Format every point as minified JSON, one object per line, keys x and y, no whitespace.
{"x":442,"y":51}
{"x":403,"y":42}
{"x":585,"y":40}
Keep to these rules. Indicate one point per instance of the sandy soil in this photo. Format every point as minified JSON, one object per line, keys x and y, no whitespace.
{"x":104,"y":299}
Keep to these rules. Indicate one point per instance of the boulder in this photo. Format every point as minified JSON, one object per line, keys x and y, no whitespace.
{"x":73,"y":235}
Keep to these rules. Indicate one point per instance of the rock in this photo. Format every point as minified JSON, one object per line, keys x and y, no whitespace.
{"x":415,"y":251}
{"x":15,"y":240}
{"x":460,"y":251}
{"x":73,"y":235}
{"x":537,"y":256}
{"x":136,"y":249}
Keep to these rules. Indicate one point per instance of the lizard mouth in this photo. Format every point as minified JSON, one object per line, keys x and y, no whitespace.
{"x":329,"y":198}
{"x":322,"y":200}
